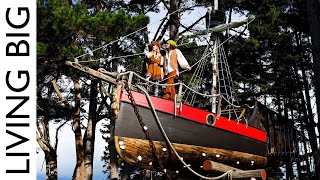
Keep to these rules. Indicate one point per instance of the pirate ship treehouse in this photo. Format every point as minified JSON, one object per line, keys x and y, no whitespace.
{"x":155,"y":133}
{"x":230,"y":135}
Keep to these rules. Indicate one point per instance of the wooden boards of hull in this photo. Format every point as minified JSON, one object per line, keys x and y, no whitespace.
{"x":138,"y":152}
{"x":236,"y":173}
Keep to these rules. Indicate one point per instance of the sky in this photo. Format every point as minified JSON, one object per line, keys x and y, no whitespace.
{"x":67,"y":157}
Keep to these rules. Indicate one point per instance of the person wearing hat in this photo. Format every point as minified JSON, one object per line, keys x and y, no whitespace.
{"x":154,"y":70}
{"x":174,"y":57}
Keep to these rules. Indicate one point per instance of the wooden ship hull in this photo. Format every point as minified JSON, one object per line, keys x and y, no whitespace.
{"x":224,"y":141}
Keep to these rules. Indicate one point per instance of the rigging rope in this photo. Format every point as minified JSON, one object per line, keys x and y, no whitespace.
{"x":164,"y":84}
{"x":117,"y":57}
{"x":176,"y":11}
{"x":224,"y":78}
{"x":228,"y":173}
{"x":195,"y":81}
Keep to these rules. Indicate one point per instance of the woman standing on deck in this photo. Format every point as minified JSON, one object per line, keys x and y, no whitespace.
{"x":155,"y":64}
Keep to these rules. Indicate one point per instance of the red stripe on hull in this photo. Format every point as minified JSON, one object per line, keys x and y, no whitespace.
{"x":198,"y":115}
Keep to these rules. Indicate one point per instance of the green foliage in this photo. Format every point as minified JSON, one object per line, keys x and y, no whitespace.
{"x":273,"y":13}
{"x":66,"y":31}
{"x":254,"y":43}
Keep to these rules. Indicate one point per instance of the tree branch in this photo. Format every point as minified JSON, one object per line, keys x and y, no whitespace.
{"x":165,"y":27}
{"x":59,"y":94}
{"x":157,"y":32}
{"x":104,"y":95}
{"x":57,"y":132}
{"x":165,"y":5}
{"x":43,"y":142}
{"x":45,"y":128}
{"x":38,"y":127}
{"x":192,"y":25}
{"x":42,"y":145}
{"x":148,"y":10}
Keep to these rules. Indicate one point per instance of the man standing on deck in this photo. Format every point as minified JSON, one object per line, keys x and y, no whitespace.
{"x":174,"y":57}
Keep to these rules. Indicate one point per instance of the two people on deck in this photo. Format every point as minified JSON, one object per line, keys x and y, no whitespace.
{"x":167,"y":64}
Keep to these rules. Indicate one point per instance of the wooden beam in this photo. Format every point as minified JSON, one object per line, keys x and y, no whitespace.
{"x":237,"y":173}
{"x":211,"y":165}
{"x":92,"y":72}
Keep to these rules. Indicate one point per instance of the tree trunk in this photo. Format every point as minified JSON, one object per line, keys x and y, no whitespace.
{"x":278,"y":103}
{"x":51,"y":165}
{"x":296,"y":141}
{"x":126,"y":171}
{"x":309,"y":120}
{"x":89,"y":137}
{"x":289,"y":171}
{"x":145,"y":31}
{"x":304,"y":145}
{"x":314,"y":27}
{"x":174,"y":20}
{"x":50,"y":153}
{"x":78,"y":173}
{"x":312,"y":124}
{"x":303,"y":118}
{"x":164,"y":29}
{"x":114,"y":173}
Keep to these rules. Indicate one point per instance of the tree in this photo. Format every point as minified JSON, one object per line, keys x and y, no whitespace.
{"x":65,"y":31}
{"x":313,"y":13}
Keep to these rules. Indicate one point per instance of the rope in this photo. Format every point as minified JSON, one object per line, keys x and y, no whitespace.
{"x":161,"y":84}
{"x":228,"y":173}
{"x":197,"y":75}
{"x":236,"y":106}
{"x":129,"y":34}
{"x":142,"y":124}
{"x":186,"y":69}
{"x":117,"y":57}
{"x":227,"y":86}
{"x":206,"y":95}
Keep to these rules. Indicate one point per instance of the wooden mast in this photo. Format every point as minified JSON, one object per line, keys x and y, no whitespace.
{"x":214,"y":77}
{"x":214,"y":62}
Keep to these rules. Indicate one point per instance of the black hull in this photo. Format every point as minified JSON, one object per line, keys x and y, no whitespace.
{"x":188,"y":136}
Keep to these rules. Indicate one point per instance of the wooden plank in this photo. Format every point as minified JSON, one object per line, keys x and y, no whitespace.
{"x":130,"y":148}
{"x":237,"y":173}
{"x":212,"y":165}
{"x":92,"y":72}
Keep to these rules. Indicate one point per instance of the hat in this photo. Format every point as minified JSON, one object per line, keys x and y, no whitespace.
{"x":172,"y":43}
{"x":155,"y":43}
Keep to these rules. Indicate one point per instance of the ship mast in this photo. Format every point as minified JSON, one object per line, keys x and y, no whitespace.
{"x":214,"y":75}
{"x":214,"y":61}
{"x":214,"y":53}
